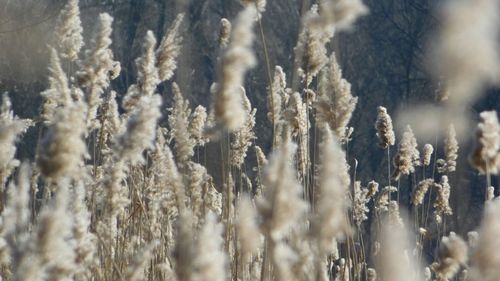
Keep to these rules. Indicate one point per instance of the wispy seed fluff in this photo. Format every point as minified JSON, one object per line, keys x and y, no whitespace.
{"x":452,"y":254}
{"x":335,"y":103}
{"x":224,"y":32}
{"x":382,"y":201}
{"x":195,"y":183}
{"x":169,"y":50}
{"x":385,"y":132}
{"x":486,"y":155}
{"x":68,"y":31}
{"x":237,"y":59}
{"x":331,"y":208}
{"x":277,"y":96}
{"x":451,"y":149}
{"x":360,"y":204}
{"x":197,"y":125}
{"x":283,"y":205}
{"x":62,"y":148}
{"x":372,"y":188}
{"x":343,"y":13}
{"x":248,"y":231}
{"x":185,"y":250}
{"x":442,"y":205}
{"x":466,"y":51}
{"x":405,"y":158}
{"x":426,"y":155}
{"x":371,"y":274}
{"x":490,"y":193}
{"x":421,"y":190}
{"x":243,"y":137}
{"x":259,"y":4}
{"x":395,"y":262}
{"x":140,"y":262}
{"x":98,"y":67}
{"x":110,"y":121}
{"x":310,"y":51}
{"x":147,"y":74}
{"x":58,"y":94}
{"x":53,"y":238}
{"x":85,"y":240}
{"x":175,"y":199}
{"x":210,"y":259}
{"x":298,"y":122}
{"x":179,"y":127}
{"x":11,"y":128}
{"x":141,"y":129}
{"x":16,"y":217}
{"x":485,"y":256}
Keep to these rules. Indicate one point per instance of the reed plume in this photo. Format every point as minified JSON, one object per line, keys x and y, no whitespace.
{"x":98,"y":67}
{"x":140,"y":130}
{"x":360,"y":204}
{"x":147,"y":74}
{"x":404,"y":160}
{"x":224,"y":33}
{"x":485,"y":257}
{"x":486,"y":155}
{"x":179,"y":127}
{"x":277,"y":96}
{"x":395,"y":249}
{"x":169,"y":49}
{"x":243,"y":137}
{"x":449,"y":164}
{"x":310,"y":51}
{"x":427,"y":154}
{"x":329,"y":222}
{"x":59,"y":93}
{"x":259,"y":4}
{"x":12,"y":128}
{"x":452,"y":254}
{"x":421,"y":190}
{"x":237,"y":59}
{"x":442,"y":205}
{"x":342,"y":13}
{"x":335,"y":103}
{"x":68,"y":31}
{"x":197,"y":124}
{"x":62,"y":148}
{"x":385,"y":132}
{"x":210,"y":259}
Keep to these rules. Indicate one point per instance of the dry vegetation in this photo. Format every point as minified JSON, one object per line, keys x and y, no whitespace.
{"x":114,"y":195}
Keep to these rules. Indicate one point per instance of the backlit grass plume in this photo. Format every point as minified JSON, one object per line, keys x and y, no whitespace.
{"x":169,"y":49}
{"x":68,"y":31}
{"x":486,"y":155}
{"x":334,"y":103}
{"x":237,"y":59}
